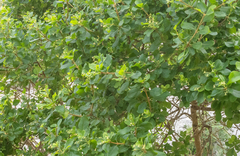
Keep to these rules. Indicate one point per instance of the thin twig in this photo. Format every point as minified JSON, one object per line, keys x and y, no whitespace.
{"x":75,"y":64}
{"x":75,"y":115}
{"x":115,"y":6}
{"x":145,"y":12}
{"x":148,"y":99}
{"x":220,"y":5}
{"x":67,"y":12}
{"x":163,"y":140}
{"x":112,"y":73}
{"x":43,"y":35}
{"x":116,"y":143}
{"x":190,"y":6}
{"x":41,"y":69}
{"x":200,"y":23}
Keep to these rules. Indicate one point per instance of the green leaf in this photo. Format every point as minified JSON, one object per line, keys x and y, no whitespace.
{"x":128,"y":2}
{"x":66,"y":65}
{"x":141,"y":107}
{"x":140,"y":5}
{"x":124,"y":130}
{"x":133,"y":92}
{"x":229,"y":44}
{"x":210,"y":14}
{"x":234,"y":92}
{"x":107,"y":61}
{"x":112,"y":13}
{"x":209,"y":86}
{"x":218,"y":65}
{"x":208,"y":17}
{"x":136,"y":75}
{"x":233,"y":30}
{"x":216,"y":92}
{"x":211,"y":9}
{"x":231,"y":152}
{"x":110,"y":2}
{"x":238,"y":65}
{"x":205,"y":30}
{"x":60,"y":109}
{"x":116,"y":42}
{"x":48,"y":44}
{"x":177,"y":41}
{"x":145,"y":126}
{"x":36,"y":70}
{"x":202,"y":79}
{"x":213,"y":33}
{"x":16,"y":102}
{"x":200,"y":98}
{"x":106,"y":147}
{"x":123,"y":149}
{"x":113,"y":151}
{"x":182,"y":57}
{"x":188,"y":26}
{"x":197,"y":45}
{"x":146,"y":39}
{"x":92,"y":66}
{"x":202,"y":6}
{"x":155,"y":45}
{"x":220,"y":14}
{"x":166,"y":104}
{"x":155,"y":92}
{"x":122,"y":70}
{"x":1,"y":61}
{"x":68,"y":144}
{"x":195,"y":87}
{"x":160,"y":153}
{"x":213,"y":1}
{"x":229,"y":112}
{"x":225,"y":71}
{"x":148,"y":32}
{"x":229,"y":124}
{"x":207,"y":44}
{"x":218,"y":115}
{"x":95,"y":122}
{"x":80,"y":91}
{"x":84,"y":123}
{"x":123,"y":87}
{"x":165,"y":73}
{"x":233,"y":77}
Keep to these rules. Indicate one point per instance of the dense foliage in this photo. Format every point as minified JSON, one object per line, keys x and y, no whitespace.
{"x":92,"y":77}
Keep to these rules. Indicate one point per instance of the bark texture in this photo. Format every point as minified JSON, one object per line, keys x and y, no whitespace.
{"x":196,"y":131}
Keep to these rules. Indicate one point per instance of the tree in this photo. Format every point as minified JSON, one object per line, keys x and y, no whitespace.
{"x":112,"y":77}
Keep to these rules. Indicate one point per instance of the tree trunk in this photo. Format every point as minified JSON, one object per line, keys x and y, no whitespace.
{"x":196,"y":132}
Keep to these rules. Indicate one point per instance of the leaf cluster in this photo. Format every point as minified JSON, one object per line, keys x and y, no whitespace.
{"x":92,"y":77}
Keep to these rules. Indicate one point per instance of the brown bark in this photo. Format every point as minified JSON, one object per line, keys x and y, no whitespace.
{"x":202,"y":108}
{"x":196,"y":131}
